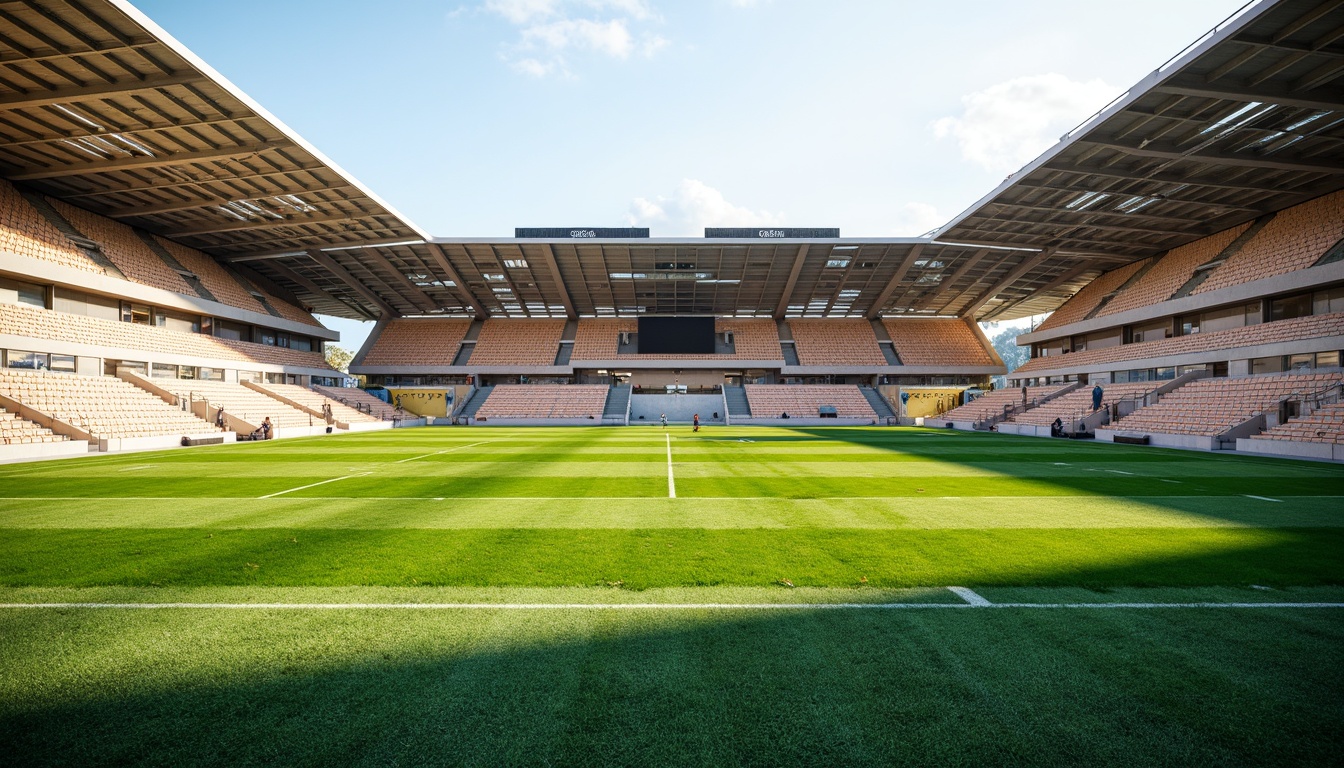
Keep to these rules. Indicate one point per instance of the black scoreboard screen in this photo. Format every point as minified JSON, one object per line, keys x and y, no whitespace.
{"x":676,"y":335}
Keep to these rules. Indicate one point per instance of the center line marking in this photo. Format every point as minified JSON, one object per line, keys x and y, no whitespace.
{"x":671,"y":483}
{"x":312,"y":485}
{"x":1263,"y":498}
{"x":969,"y":596}
{"x":1119,"y":472}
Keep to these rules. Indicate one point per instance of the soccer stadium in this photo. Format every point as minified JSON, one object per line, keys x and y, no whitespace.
{"x":596,"y":496}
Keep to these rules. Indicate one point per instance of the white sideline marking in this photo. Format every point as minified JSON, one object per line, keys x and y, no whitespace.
{"x":436,"y":453}
{"x":639,"y":606}
{"x":1263,"y":498}
{"x":671,"y":484}
{"x":969,"y":596}
{"x":312,"y":485}
{"x":1160,"y":480}
{"x":1119,"y":472}
{"x":134,"y":469}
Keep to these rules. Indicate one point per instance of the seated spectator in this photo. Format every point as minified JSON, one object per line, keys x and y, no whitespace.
{"x":1057,"y":428}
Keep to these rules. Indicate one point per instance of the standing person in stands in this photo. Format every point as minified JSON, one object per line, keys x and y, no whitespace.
{"x":695,"y":422}
{"x":1096,"y":397}
{"x":663,"y":419}
{"x":326,"y":413}
{"x":219,"y":418}
{"x":266,"y":428}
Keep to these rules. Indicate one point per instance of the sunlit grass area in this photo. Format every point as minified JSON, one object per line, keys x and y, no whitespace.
{"x":760,"y":517}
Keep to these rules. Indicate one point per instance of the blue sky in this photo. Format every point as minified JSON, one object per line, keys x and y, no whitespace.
{"x":880,"y":118}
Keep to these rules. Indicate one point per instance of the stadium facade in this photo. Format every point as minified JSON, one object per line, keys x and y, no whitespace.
{"x":164,"y":243}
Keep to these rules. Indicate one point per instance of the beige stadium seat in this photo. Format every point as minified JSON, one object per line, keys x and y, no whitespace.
{"x":104,"y":406}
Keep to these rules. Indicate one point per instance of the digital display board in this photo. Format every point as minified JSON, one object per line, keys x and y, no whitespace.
{"x":676,"y":335}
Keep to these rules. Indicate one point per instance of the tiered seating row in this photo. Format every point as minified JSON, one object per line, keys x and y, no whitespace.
{"x":1297,"y":329}
{"x":544,"y":401}
{"x":122,"y":247}
{"x":1211,"y":407}
{"x":429,"y":341}
{"x":771,"y":401}
{"x":836,"y":342}
{"x":48,"y":324}
{"x":17,"y":431}
{"x":1171,"y":272}
{"x":26,"y":232}
{"x":1079,"y":403}
{"x":993,"y":403}
{"x":1324,"y":425}
{"x":936,"y":342}
{"x":1293,"y":240}
{"x":105,"y":407}
{"x":23,"y":231}
{"x":599,"y":339}
{"x":360,"y":400}
{"x":518,"y":342}
{"x":309,"y":398}
{"x":1085,"y":300}
{"x":247,"y":404}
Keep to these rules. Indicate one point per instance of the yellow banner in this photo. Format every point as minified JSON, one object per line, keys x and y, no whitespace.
{"x":929,"y":401}
{"x":423,"y":402}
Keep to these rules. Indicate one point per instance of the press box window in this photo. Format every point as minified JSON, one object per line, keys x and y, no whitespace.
{"x":28,"y":294}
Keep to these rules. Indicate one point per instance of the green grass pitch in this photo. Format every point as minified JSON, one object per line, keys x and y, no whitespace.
{"x":730,"y":656}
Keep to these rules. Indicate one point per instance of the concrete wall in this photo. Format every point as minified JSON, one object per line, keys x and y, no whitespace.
{"x":1291,"y":449}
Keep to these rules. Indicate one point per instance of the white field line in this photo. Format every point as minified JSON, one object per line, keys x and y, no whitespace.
{"x":969,"y":596}
{"x":611,"y":498}
{"x":436,"y":453}
{"x":313,"y":485}
{"x":641,"y":606}
{"x":136,"y":469}
{"x":671,"y":483}
{"x":1119,"y":472}
{"x":1263,"y":498}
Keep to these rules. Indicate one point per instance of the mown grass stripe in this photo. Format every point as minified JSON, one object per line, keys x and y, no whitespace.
{"x":635,"y":606}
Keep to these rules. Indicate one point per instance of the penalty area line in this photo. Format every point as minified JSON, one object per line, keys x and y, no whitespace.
{"x":644,"y":606}
{"x":312,"y":485}
{"x":436,"y":453}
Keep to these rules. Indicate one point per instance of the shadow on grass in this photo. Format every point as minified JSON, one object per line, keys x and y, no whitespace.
{"x":970,"y":687}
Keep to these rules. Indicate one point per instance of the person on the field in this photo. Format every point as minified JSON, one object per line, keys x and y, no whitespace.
{"x":695,"y":423}
{"x":1096,"y":397}
{"x":663,"y":419}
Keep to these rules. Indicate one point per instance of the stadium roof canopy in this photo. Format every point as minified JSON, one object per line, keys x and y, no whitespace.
{"x":102,"y":108}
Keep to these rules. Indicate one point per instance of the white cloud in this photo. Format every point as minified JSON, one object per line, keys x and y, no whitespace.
{"x":523,"y":11}
{"x":1007,"y":125}
{"x":611,"y":37}
{"x":692,"y":207}
{"x":915,"y":219}
{"x":548,"y":29}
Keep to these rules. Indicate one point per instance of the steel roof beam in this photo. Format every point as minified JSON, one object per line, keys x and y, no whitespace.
{"x":358,"y":285}
{"x":62,"y":95}
{"x":787,"y":293}
{"x":141,"y":161}
{"x":1013,"y":275}
{"x":188,"y":205}
{"x":1219,"y":158}
{"x":875,"y":309}
{"x":315,"y":289}
{"x":268,"y":224}
{"x":154,"y":186}
{"x":1067,"y":277}
{"x":440,"y":258}
{"x":1250,"y":93}
{"x":413,"y":292}
{"x":553,"y":264}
